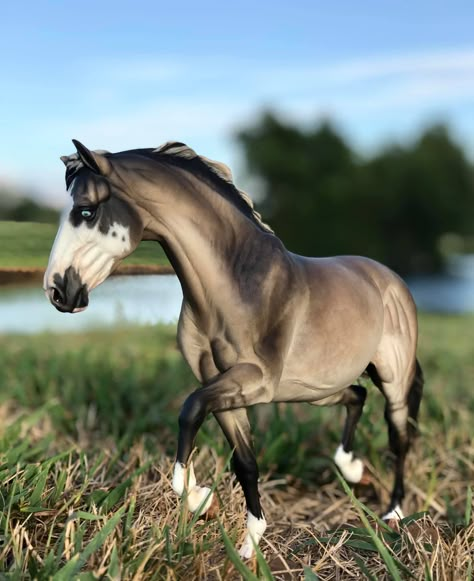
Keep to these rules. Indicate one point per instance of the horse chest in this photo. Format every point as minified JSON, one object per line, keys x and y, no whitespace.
{"x":207,"y":357}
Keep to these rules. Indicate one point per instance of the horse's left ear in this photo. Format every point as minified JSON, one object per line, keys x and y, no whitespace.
{"x":97,"y":162}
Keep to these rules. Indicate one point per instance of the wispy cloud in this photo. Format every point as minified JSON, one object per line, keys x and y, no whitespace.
{"x":420,"y":81}
{"x":281,"y":77}
{"x":146,"y":101}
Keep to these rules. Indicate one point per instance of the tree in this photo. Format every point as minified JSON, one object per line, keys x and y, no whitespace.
{"x":25,"y":210}
{"x":322,"y":199}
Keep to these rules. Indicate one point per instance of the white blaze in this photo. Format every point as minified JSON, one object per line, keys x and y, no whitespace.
{"x":90,"y":252}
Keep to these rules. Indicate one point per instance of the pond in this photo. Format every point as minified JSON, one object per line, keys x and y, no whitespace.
{"x":142,"y":300}
{"x":157,"y":299}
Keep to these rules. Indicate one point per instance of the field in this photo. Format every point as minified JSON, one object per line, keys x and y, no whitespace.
{"x":87,"y":438}
{"x":28,"y":244}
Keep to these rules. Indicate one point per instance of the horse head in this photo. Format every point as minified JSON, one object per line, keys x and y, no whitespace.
{"x":100,"y":229}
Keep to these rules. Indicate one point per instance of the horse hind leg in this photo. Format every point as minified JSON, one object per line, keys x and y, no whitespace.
{"x":401,"y":413}
{"x":353,"y":398}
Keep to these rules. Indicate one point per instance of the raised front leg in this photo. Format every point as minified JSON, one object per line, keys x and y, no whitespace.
{"x":239,"y":387}
{"x":236,"y":427}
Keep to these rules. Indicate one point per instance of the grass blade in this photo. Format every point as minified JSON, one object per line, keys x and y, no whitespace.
{"x":468,"y":512}
{"x":382,"y":549}
{"x":310,"y":575}
{"x":360,"y":563}
{"x":263,"y":567}
{"x":234,"y":557}
{"x":80,"y":559}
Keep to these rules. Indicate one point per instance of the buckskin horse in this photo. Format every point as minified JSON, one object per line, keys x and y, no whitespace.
{"x":258,"y":323}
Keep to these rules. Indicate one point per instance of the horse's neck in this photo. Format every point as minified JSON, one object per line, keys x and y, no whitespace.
{"x":203,"y":240}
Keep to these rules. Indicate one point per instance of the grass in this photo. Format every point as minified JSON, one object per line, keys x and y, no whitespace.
{"x":87,"y":437}
{"x":28,"y":244}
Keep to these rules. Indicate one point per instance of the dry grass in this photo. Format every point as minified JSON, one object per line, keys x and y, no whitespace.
{"x":152,"y":538}
{"x":81,"y":500}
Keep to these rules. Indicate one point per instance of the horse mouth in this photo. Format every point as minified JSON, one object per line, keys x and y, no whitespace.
{"x":67,"y":293}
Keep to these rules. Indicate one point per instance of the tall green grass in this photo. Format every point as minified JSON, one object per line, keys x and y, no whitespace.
{"x":88,"y":427}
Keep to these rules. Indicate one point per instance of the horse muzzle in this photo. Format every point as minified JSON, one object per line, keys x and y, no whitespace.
{"x":68,"y":294}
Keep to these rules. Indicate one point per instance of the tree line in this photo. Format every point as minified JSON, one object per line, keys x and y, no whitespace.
{"x":24,"y":209}
{"x":406,"y":206}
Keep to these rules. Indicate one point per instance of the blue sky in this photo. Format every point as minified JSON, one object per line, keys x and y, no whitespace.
{"x":118,"y":75}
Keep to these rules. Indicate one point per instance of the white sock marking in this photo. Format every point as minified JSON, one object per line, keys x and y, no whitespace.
{"x":178,"y":478}
{"x":182,"y":478}
{"x":395,"y":514}
{"x":352,"y":468}
{"x":255,"y":529}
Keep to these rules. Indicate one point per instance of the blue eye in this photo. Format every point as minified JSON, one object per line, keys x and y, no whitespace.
{"x":87,"y":213}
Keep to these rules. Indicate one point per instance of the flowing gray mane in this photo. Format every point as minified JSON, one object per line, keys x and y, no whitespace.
{"x":215,"y":173}
{"x":218,"y":174}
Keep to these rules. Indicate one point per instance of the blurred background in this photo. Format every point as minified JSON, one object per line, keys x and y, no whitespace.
{"x":351,"y":126}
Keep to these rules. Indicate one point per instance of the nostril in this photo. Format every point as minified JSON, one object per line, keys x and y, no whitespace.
{"x":57,"y":297}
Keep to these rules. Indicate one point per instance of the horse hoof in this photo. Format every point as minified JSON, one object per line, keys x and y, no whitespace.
{"x":366,"y":478}
{"x":394,"y":523}
{"x":246,"y":551}
{"x":213,"y":510}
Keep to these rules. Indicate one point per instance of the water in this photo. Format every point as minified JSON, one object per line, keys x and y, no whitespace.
{"x":443,"y":294}
{"x":157,"y":299}
{"x":452,"y":292}
{"x":120,"y":300}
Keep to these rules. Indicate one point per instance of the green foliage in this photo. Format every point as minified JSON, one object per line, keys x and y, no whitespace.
{"x":25,"y":210}
{"x":323,"y":199}
{"x":88,"y":436}
{"x":108,"y":384}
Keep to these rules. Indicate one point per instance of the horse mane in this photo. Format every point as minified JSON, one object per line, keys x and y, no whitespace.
{"x":216,"y":173}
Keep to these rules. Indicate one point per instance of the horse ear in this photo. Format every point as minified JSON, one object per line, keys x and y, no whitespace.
{"x":97,"y":162}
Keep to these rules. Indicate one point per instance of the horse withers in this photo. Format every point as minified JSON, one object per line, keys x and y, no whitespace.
{"x":258,"y":323}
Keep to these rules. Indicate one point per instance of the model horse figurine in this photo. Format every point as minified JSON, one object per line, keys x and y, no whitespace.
{"x":258,"y":324}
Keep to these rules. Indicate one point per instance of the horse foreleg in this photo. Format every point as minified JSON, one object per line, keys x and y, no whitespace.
{"x":352,"y":468}
{"x":236,"y":427}
{"x":239,"y":387}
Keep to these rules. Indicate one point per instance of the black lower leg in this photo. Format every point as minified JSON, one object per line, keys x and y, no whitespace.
{"x":236,"y":428}
{"x":246,"y":470}
{"x":353,"y":399}
{"x":399,"y":445}
{"x":191,"y":418}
